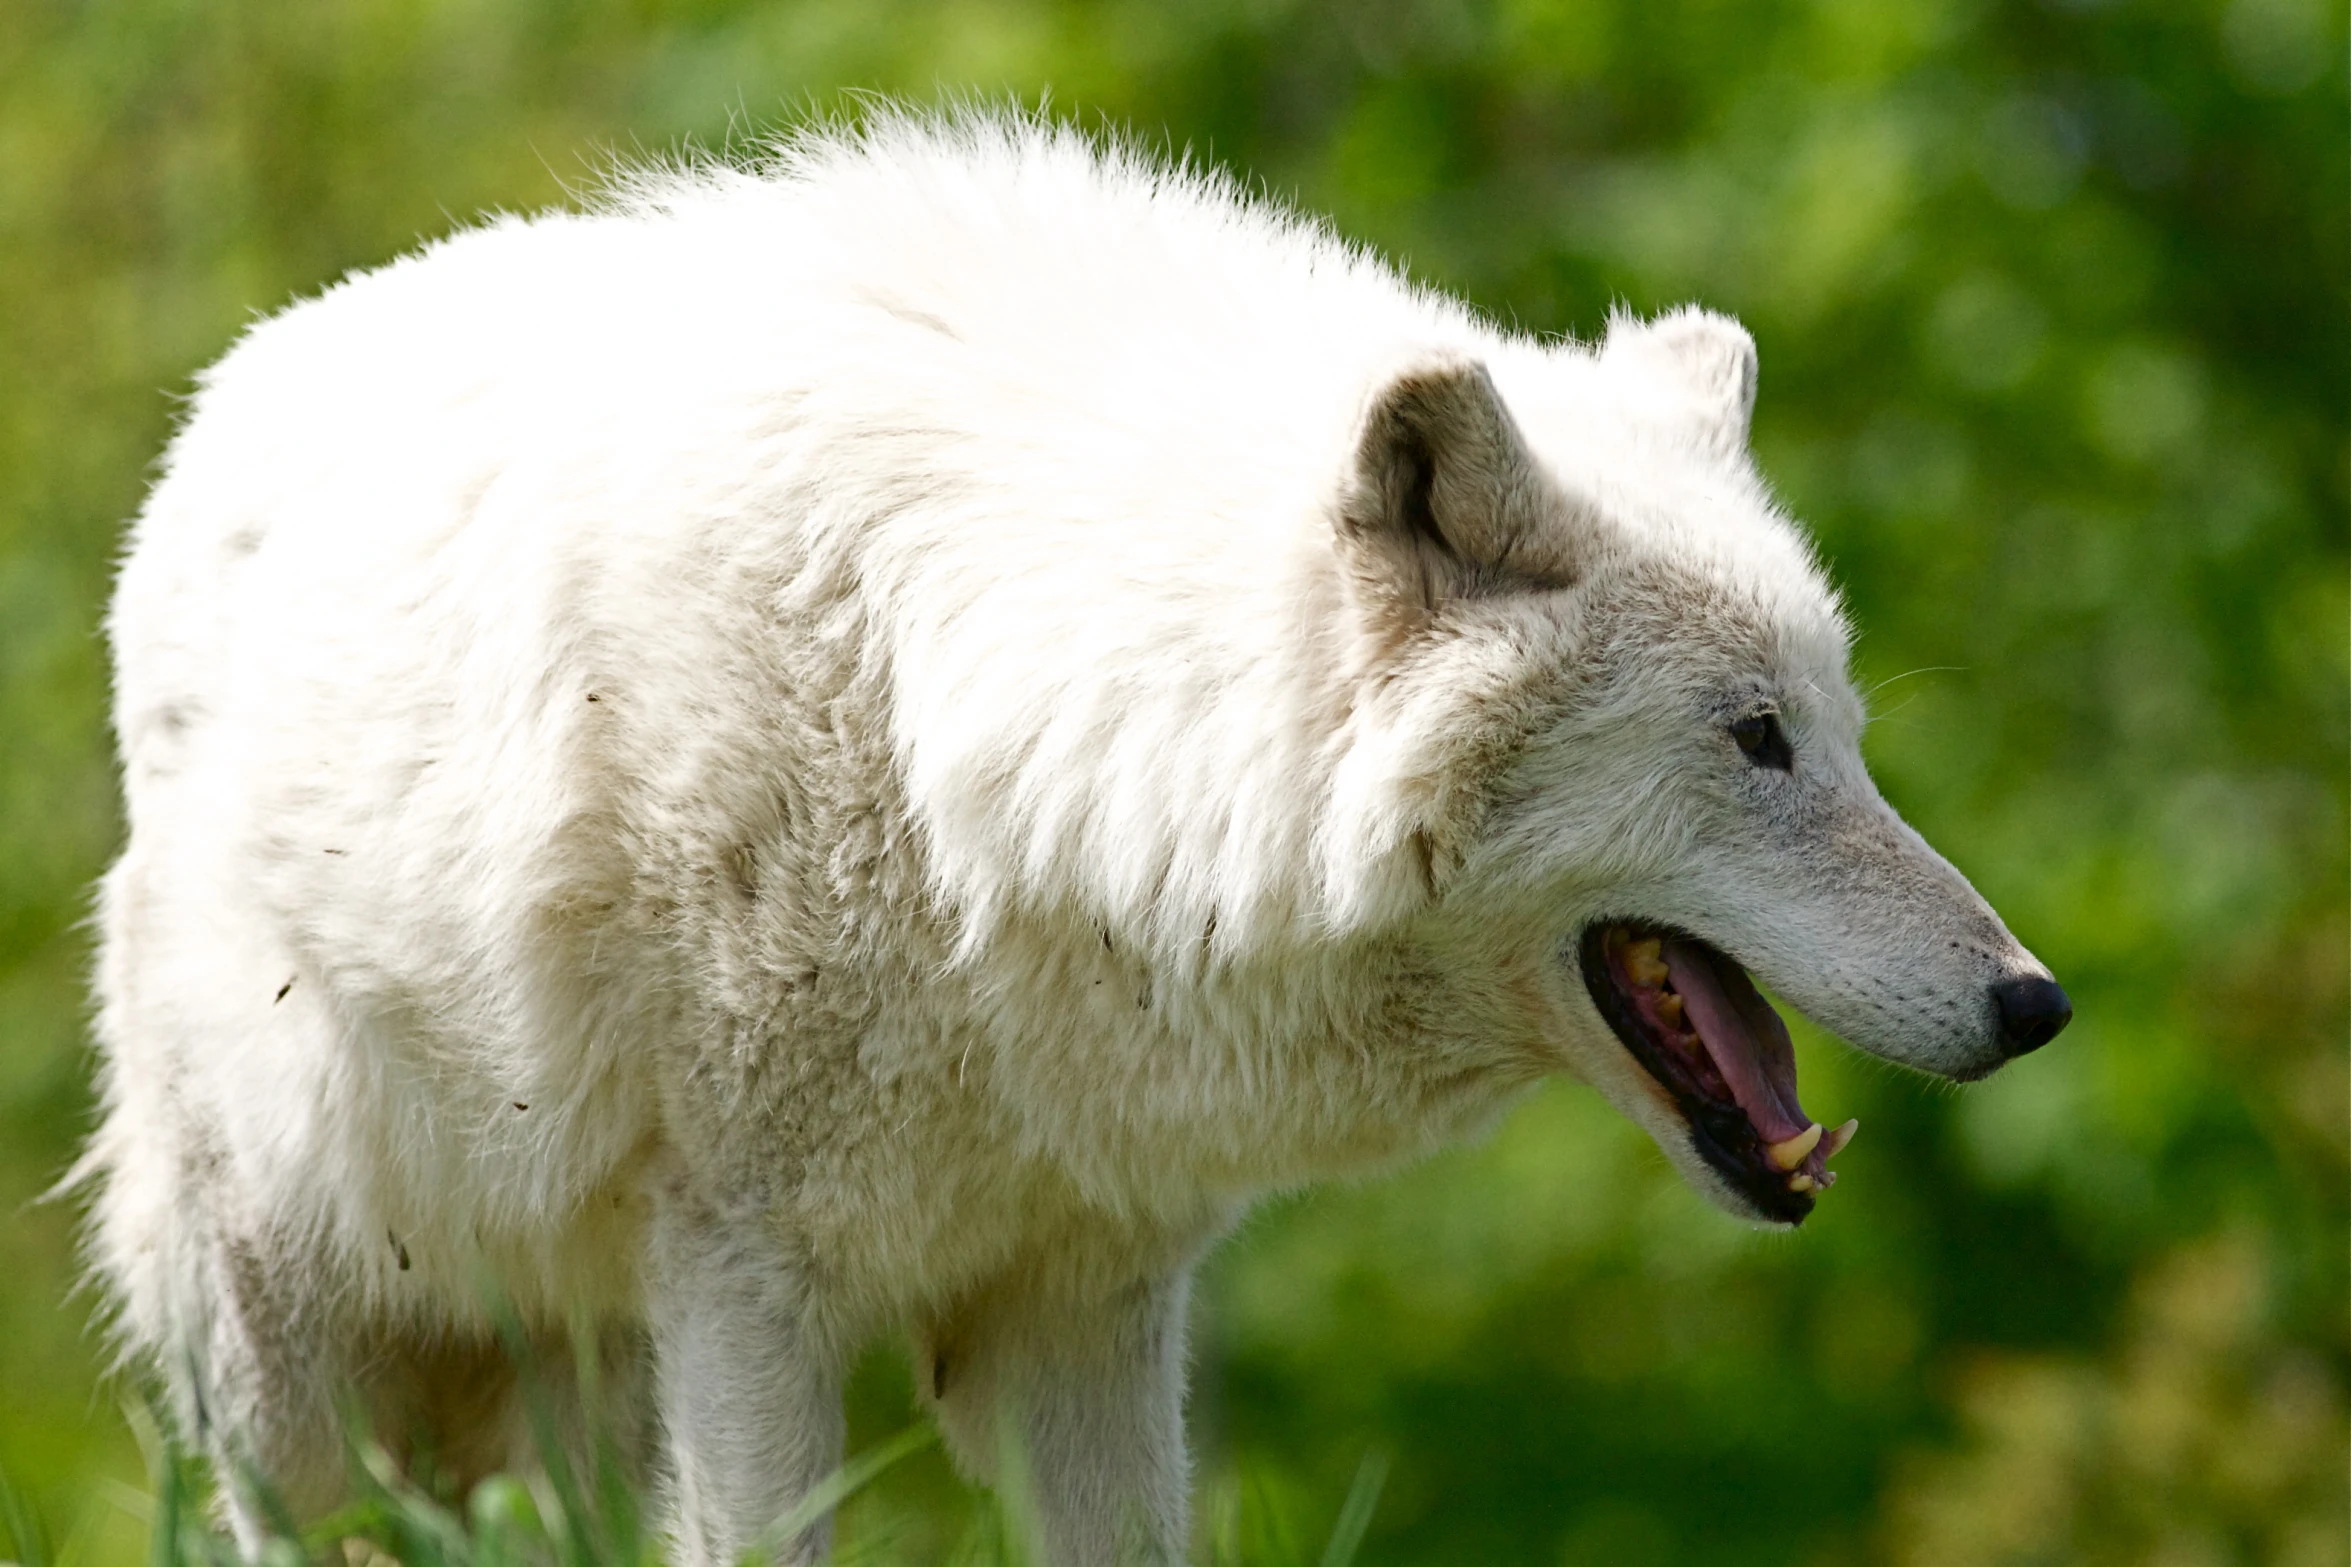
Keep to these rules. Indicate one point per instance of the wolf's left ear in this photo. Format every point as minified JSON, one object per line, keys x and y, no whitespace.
{"x":1708,"y":355}
{"x":1445,"y":501}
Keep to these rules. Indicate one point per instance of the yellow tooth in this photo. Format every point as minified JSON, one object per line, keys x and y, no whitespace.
{"x":1834,"y":1143}
{"x":1788,"y":1155}
{"x":1642,"y":962}
{"x":1802,"y":1183}
{"x":1669,"y":1007}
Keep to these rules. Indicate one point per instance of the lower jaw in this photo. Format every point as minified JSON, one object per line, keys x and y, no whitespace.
{"x":1718,"y":1132}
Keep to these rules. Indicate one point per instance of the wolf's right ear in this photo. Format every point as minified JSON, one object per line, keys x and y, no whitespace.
{"x":1710,"y":357}
{"x":1444,"y":500}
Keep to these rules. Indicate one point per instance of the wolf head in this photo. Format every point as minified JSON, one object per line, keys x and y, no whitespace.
{"x":1640,"y":749}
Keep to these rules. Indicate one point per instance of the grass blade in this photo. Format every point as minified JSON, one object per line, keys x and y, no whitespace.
{"x":839,"y":1486}
{"x":1363,"y":1497}
{"x":26,"y":1535}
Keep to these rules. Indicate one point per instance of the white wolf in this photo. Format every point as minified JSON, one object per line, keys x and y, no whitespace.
{"x":880,"y":743}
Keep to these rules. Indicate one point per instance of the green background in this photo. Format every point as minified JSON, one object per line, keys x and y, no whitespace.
{"x":2052,"y":306}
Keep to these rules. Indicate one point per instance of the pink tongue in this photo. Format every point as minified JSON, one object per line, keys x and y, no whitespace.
{"x":1745,"y":1037}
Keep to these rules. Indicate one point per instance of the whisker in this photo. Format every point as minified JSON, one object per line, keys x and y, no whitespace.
{"x":1923,"y":669}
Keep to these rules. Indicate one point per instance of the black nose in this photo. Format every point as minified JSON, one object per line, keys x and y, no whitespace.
{"x":2033,"y":1011}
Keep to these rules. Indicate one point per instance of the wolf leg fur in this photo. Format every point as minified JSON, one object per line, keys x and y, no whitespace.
{"x":1079,"y":1392}
{"x":252,"y":1374}
{"x":749,"y":1394}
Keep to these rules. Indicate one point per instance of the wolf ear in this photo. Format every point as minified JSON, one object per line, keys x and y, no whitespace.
{"x":1445,"y":501}
{"x":1710,"y":356}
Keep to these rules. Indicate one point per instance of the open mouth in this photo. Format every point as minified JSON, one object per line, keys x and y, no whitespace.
{"x":1695,"y":1022}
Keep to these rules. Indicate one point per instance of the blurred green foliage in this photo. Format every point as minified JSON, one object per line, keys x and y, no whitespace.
{"x":2051,"y":298}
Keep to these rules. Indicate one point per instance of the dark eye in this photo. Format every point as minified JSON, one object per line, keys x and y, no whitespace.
{"x":1766,"y":744}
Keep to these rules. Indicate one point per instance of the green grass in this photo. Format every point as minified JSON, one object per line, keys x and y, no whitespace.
{"x":559,"y":1516}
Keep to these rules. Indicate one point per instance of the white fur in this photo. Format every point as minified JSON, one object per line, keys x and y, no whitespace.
{"x":817,"y":753}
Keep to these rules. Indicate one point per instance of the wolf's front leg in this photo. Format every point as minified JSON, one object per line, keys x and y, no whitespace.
{"x":749,"y":1391}
{"x":1083,"y":1390}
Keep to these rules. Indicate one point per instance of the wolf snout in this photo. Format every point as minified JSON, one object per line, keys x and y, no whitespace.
{"x":2033,"y":1010}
